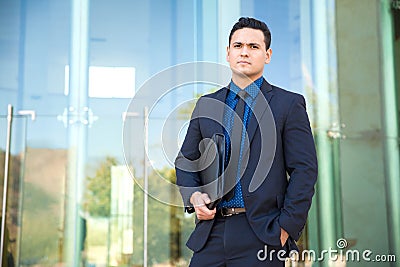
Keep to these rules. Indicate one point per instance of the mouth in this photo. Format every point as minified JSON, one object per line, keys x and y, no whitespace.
{"x":243,"y":62}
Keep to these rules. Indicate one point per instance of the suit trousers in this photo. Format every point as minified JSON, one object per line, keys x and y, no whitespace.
{"x":232,"y":243}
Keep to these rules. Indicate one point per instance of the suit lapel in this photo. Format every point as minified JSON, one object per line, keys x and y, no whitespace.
{"x":215,"y":111}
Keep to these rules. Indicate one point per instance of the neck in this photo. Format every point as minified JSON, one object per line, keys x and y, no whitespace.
{"x":242,"y":81}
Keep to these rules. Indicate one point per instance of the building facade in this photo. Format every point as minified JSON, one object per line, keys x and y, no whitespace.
{"x":89,"y":136}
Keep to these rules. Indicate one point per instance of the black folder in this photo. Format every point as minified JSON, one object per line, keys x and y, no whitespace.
{"x":211,"y":168}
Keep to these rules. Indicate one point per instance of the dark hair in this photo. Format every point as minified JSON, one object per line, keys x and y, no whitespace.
{"x":253,"y":24}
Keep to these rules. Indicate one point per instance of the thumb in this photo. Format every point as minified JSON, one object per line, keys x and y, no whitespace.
{"x":206,"y":199}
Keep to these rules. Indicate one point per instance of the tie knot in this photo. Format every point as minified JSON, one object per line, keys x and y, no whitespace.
{"x":242,"y":94}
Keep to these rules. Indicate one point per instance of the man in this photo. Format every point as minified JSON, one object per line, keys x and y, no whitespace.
{"x":266,"y":210}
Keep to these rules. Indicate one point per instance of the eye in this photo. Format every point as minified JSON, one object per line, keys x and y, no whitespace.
{"x":237,"y":45}
{"x":254,"y":47}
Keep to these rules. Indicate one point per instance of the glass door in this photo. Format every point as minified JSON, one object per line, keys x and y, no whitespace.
{"x":37,"y":198}
{"x":13,"y":155}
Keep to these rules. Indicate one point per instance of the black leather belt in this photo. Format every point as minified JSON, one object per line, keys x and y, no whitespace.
{"x":226,"y":212}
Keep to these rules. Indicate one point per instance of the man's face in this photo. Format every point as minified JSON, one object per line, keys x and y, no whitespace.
{"x":246,"y":53}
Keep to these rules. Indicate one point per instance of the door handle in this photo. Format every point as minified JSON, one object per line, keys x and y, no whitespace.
{"x":30,"y":113}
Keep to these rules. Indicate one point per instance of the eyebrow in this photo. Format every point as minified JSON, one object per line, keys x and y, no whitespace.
{"x":249,"y":44}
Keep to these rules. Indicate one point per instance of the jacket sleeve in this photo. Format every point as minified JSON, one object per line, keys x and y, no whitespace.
{"x":187,"y":176}
{"x":301,"y":165}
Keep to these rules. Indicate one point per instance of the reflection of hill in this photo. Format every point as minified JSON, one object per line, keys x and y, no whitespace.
{"x":44,"y":172}
{"x":13,"y":184}
{"x":44,"y":179}
{"x":13,"y":197}
{"x":46,"y":168}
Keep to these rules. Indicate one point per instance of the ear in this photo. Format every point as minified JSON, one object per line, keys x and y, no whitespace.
{"x":227,"y":53}
{"x":268,"y":55}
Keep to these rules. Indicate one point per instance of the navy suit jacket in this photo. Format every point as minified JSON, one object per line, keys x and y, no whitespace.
{"x":283,"y":198}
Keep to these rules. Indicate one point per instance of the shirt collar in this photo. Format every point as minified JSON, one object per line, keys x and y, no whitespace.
{"x":252,"y":89}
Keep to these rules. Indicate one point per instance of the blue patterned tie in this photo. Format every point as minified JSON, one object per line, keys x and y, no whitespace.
{"x":235,"y":142}
{"x":231,"y":101}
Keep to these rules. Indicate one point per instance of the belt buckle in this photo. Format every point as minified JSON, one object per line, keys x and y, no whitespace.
{"x":227,"y":214}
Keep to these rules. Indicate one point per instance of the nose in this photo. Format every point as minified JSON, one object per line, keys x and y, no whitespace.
{"x":244,"y":50}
